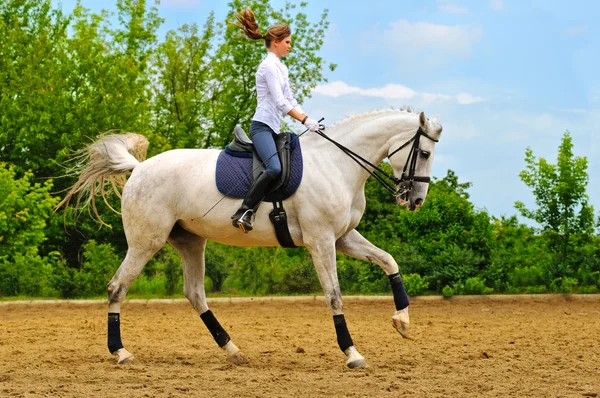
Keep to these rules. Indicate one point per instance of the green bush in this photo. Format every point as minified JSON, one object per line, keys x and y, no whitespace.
{"x":587,"y":289}
{"x":476,"y":285}
{"x":414,"y":284}
{"x":564,"y":285}
{"x":145,"y":286}
{"x":99,"y":264}
{"x":447,"y":291}
{"x":526,"y":276}
{"x":217,"y":265}
{"x":24,"y":209}
{"x":454,"y":265}
{"x":536,"y":289}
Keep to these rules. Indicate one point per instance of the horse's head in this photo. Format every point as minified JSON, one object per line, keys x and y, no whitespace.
{"x":412,"y":160}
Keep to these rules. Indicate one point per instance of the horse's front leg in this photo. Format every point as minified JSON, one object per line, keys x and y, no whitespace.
{"x":355,"y":245}
{"x":323,"y":255}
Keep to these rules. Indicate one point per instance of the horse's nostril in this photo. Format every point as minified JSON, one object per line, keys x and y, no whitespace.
{"x":418,"y":201}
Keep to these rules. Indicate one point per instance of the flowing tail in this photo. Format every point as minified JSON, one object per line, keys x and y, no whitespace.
{"x":102,"y":168}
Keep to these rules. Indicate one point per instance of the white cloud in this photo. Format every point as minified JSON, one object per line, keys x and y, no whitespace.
{"x":429,"y":38}
{"x":393,"y":92}
{"x":186,"y":4}
{"x":497,"y":5}
{"x":466,"y":98}
{"x":451,"y":8}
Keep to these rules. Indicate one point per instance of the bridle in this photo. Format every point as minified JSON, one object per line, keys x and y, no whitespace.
{"x":404,"y":184}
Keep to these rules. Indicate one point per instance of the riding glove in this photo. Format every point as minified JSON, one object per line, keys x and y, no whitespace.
{"x":313,"y":125}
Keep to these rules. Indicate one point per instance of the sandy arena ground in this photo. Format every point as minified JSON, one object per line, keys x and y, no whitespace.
{"x":525,"y":348}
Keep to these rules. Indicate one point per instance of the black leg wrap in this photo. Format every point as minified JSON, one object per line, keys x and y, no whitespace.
{"x":400,"y":296}
{"x":343,"y":335}
{"x":114,"y":332}
{"x":215,"y":328}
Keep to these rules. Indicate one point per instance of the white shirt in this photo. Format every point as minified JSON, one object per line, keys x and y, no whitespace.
{"x":273,"y":92}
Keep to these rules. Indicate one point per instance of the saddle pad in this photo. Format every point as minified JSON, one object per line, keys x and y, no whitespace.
{"x":234,"y":175}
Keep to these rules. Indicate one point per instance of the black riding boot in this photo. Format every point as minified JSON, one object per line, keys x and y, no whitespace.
{"x":244,"y":217}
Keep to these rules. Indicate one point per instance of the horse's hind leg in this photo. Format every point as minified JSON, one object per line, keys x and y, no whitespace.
{"x":117,"y":288}
{"x":191,"y":249}
{"x":355,"y":245}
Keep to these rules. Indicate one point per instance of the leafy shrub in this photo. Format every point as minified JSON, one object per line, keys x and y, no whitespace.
{"x":24,"y":209}
{"x":217,"y":265}
{"x":454,"y":265}
{"x":587,"y":289}
{"x":526,"y":276}
{"x":536,"y":289}
{"x":564,"y":285}
{"x":476,"y":285}
{"x":414,"y":284}
{"x":447,"y":291}
{"x":99,"y":265}
{"x":145,"y":286}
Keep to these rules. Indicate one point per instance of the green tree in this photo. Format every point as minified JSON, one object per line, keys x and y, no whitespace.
{"x":562,"y":209}
{"x":24,"y":209}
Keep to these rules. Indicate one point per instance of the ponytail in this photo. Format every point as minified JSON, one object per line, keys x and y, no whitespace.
{"x":250,"y":28}
{"x":248,"y":24}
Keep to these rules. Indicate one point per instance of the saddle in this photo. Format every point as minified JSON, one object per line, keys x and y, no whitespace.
{"x":239,"y":164}
{"x":242,"y":144}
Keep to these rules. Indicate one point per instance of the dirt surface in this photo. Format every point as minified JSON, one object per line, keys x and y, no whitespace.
{"x":486,"y":349}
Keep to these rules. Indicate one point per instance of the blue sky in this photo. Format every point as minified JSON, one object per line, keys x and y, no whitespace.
{"x":503,"y":76}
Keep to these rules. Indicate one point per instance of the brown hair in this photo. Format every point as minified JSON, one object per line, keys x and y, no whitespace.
{"x":248,"y":23}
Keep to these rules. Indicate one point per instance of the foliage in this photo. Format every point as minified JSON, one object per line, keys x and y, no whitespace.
{"x":414,"y":284}
{"x":24,"y":208}
{"x":476,"y":285}
{"x":564,"y":285}
{"x":562,"y":210}
{"x":447,"y":291}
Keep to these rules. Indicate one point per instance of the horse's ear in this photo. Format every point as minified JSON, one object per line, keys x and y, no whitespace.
{"x":423,"y":121}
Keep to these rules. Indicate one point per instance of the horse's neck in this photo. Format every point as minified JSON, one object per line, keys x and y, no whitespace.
{"x":370,"y":138}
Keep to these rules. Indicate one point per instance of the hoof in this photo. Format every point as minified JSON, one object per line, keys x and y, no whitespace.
{"x":401,"y":322}
{"x":357,"y":364}
{"x":124,"y":357}
{"x":355,"y":360}
{"x":238,"y":358}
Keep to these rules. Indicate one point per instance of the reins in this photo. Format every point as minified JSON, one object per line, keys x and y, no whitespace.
{"x":405,"y":182}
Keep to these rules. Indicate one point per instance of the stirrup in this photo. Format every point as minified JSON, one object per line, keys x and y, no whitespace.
{"x":241,"y":222}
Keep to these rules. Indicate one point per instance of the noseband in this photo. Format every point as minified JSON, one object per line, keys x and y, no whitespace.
{"x":404,"y":184}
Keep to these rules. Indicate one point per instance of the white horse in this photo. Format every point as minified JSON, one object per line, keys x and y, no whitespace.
{"x":166,"y":199}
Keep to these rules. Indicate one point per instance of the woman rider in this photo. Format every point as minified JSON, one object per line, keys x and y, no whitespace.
{"x":275,"y":99}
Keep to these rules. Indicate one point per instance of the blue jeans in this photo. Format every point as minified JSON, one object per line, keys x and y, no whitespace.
{"x":263,"y":139}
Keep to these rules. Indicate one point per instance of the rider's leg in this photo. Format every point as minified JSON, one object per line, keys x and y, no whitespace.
{"x":264,"y":142}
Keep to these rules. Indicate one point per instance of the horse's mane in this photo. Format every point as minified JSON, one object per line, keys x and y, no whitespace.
{"x":377,"y":112}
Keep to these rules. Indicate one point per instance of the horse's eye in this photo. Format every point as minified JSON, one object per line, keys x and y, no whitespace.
{"x":425,"y":154}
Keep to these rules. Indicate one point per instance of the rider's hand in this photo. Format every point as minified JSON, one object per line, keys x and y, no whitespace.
{"x":313,"y":125}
